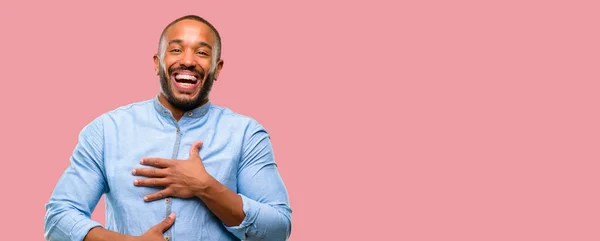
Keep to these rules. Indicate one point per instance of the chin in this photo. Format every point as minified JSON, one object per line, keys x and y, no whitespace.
{"x":185,"y":97}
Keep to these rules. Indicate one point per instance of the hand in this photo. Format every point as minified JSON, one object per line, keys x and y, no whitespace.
{"x":156,"y":233}
{"x":181,"y":178}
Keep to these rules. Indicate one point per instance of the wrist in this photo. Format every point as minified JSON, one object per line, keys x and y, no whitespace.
{"x":131,"y":238}
{"x":208,"y":183}
{"x":102,"y":234}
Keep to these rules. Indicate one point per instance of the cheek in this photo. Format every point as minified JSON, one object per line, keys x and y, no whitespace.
{"x":169,"y":61}
{"x":205,"y":65}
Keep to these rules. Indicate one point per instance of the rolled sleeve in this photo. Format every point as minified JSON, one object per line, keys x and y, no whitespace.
{"x":264,"y":195}
{"x":251,"y":210}
{"x":78,"y":190}
{"x":81,"y":228}
{"x":263,"y":222}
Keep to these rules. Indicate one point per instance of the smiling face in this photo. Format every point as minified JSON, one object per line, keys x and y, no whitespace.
{"x":187,"y":64}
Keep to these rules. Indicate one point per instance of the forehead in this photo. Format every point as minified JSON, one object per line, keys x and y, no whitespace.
{"x":190,"y":32}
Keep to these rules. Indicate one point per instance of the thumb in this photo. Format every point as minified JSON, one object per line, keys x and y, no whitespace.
{"x":166,"y":223}
{"x":195,"y":149}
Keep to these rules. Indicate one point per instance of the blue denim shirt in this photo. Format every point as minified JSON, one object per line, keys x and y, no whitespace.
{"x":237,"y":152}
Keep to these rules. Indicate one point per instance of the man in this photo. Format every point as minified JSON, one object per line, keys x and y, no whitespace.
{"x":175,"y":167}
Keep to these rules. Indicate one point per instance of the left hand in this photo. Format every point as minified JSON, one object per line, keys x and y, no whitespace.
{"x":181,"y":178}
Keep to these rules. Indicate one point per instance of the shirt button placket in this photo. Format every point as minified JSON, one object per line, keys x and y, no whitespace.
{"x":168,"y":200}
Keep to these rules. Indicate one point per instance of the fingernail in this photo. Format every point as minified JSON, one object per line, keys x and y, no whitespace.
{"x":133,"y":172}
{"x":136,"y":182}
{"x":142,"y":161}
{"x":145,"y":198}
{"x":172,"y":215}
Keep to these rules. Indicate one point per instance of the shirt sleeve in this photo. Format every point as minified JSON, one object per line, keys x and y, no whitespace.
{"x":264,"y":195}
{"x":68,"y":212}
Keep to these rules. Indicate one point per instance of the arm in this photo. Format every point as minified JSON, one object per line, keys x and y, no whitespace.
{"x":260,"y":211}
{"x":265,"y":203}
{"x":102,"y":234}
{"x":222,"y":202}
{"x":153,"y":234}
{"x":78,"y":190}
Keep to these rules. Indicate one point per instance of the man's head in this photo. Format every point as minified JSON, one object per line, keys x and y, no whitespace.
{"x":188,"y":61}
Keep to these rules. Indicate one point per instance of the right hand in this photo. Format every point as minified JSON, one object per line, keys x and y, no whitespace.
{"x":156,"y":233}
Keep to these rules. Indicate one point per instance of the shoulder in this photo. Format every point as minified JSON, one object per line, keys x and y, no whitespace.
{"x":130,"y":109}
{"x":232,"y":119}
{"x":119,"y":113}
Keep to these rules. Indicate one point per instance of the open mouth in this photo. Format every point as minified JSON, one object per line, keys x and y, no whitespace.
{"x":185,"y":79}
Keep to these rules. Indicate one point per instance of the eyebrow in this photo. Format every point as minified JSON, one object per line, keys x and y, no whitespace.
{"x":201,"y":43}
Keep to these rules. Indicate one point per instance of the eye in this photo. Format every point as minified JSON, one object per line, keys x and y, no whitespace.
{"x":202,"y":53}
{"x":175,"y":51}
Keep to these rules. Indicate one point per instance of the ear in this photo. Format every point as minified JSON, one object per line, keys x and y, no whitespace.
{"x":156,"y":64}
{"x":219,"y":67}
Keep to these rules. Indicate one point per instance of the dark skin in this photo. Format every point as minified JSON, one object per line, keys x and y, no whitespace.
{"x":182,"y":178}
{"x":188,"y":179}
{"x":153,"y":234}
{"x":188,"y":44}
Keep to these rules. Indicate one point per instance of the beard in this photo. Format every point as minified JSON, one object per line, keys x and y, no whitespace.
{"x":185,"y":104}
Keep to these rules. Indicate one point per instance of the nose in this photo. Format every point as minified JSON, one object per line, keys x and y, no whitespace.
{"x":188,"y":59}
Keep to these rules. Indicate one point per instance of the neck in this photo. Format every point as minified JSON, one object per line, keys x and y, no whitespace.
{"x":176,"y":112}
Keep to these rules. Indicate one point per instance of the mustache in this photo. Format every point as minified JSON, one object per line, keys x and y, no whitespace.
{"x":200,"y":73}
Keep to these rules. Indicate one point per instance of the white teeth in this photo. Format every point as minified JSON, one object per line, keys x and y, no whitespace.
{"x":187,"y":77}
{"x":186,"y":84}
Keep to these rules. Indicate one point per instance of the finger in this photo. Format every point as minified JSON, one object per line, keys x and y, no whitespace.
{"x":151,"y":182}
{"x":195,"y":149}
{"x":150,"y":172}
{"x":157,"y":195}
{"x":157,"y":162}
{"x":164,"y":225}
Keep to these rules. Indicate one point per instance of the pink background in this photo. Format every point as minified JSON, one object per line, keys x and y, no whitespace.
{"x":420,"y":120}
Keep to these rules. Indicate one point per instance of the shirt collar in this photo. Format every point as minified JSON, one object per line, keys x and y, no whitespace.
{"x":195,"y":113}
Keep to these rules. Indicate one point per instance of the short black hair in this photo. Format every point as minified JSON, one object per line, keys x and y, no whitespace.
{"x":217,"y":44}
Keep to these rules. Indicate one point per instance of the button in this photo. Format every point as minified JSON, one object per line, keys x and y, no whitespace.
{"x":177,"y":131}
{"x":167,"y":200}
{"x":190,"y":113}
{"x":167,"y":238}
